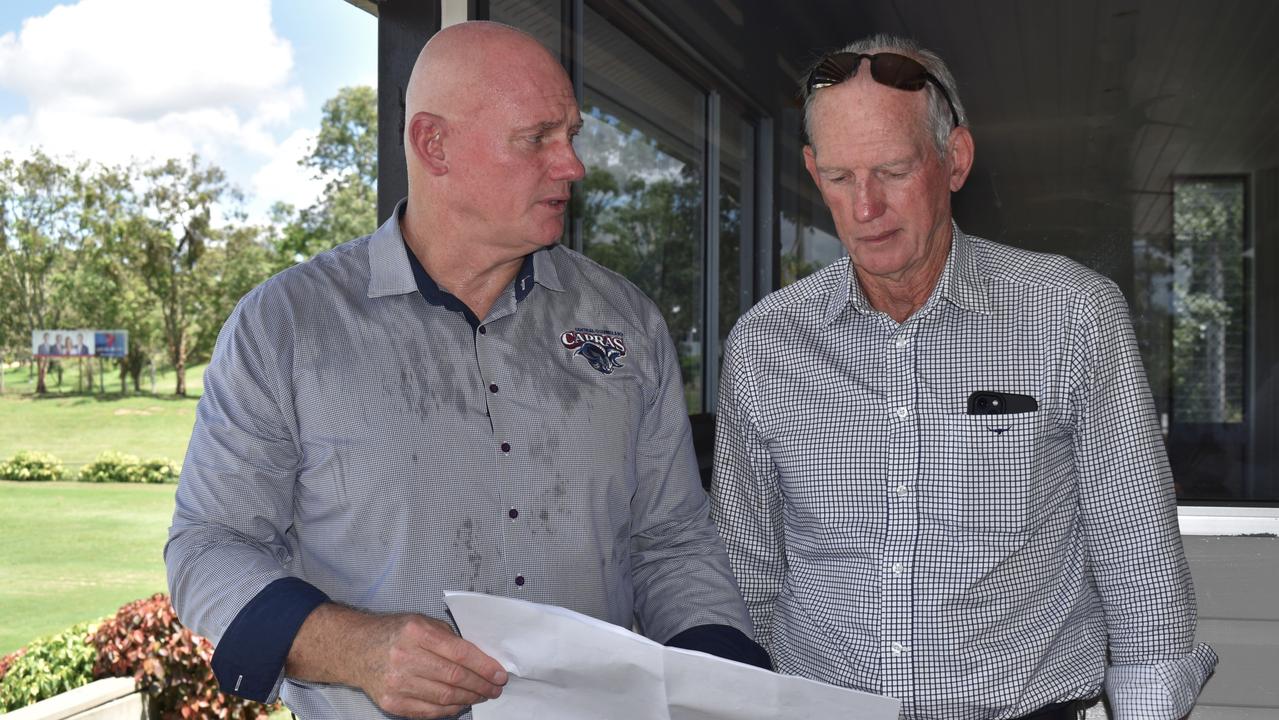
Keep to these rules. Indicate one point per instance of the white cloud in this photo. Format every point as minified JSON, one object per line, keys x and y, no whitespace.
{"x":142,"y":59}
{"x":284,"y":180}
{"x":120,"y":80}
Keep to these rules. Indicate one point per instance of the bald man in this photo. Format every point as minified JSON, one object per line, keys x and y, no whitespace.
{"x":454,"y":402}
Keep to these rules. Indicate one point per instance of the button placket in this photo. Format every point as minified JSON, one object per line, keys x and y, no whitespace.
{"x":896,"y":619}
{"x":489,"y":368}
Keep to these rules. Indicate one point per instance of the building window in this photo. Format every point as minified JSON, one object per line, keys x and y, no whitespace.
{"x":1209,"y":293}
{"x":1208,"y":438}
{"x":669,"y":198}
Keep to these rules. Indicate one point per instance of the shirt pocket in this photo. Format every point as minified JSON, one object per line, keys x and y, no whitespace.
{"x":991,"y":474}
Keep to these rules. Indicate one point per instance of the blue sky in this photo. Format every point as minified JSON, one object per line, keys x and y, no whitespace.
{"x":239,"y":82}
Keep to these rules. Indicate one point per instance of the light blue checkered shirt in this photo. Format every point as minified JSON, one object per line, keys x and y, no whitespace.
{"x":378,"y":447}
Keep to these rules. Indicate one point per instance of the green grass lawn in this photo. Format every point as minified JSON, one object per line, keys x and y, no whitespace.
{"x":77,"y":427}
{"x":71,"y":552}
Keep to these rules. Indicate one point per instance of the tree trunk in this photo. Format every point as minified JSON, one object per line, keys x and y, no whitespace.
{"x":180,"y":363}
{"x":40,"y":387}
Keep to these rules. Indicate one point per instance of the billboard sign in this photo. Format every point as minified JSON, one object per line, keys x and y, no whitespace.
{"x":111,"y":343}
{"x":79,"y":343}
{"x":62,"y":343}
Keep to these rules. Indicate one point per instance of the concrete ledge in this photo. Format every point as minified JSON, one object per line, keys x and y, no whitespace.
{"x":1228,"y":520}
{"x":107,"y":699}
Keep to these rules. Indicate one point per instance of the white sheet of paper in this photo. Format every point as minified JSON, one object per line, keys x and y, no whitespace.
{"x":569,"y":666}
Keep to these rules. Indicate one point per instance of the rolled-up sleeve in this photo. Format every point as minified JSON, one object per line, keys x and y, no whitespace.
{"x":229,"y":539}
{"x":1129,"y":513}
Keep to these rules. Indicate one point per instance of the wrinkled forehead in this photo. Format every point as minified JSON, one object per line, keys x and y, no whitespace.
{"x":860,"y":104}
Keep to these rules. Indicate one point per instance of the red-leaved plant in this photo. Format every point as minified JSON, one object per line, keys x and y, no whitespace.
{"x":145,"y":640}
{"x":8,"y":660}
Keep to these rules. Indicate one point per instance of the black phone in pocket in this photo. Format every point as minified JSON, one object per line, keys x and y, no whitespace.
{"x":991,"y":402}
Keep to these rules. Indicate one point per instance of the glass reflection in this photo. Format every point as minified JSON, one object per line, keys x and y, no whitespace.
{"x":641,"y":204}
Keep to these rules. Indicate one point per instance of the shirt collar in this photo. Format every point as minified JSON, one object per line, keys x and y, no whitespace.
{"x":961,"y":283}
{"x":544,"y":271}
{"x":966,"y":284}
{"x":393,"y":270}
{"x":845,"y":293}
{"x":389,"y":270}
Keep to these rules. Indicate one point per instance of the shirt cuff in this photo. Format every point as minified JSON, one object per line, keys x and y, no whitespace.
{"x":249,"y":659}
{"x":722,"y":641}
{"x":1161,"y":691}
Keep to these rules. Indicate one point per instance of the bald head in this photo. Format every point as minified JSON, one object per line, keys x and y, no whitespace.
{"x":488,"y":139}
{"x":465,"y":68}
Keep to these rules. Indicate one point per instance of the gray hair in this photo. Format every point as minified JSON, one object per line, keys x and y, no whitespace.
{"x":938,"y":122}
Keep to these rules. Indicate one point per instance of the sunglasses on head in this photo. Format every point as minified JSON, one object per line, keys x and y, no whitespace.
{"x":886,"y":68}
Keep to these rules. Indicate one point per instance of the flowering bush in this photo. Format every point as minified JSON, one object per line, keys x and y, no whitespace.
{"x":119,"y":467}
{"x":157,"y":471}
{"x":31,"y":467}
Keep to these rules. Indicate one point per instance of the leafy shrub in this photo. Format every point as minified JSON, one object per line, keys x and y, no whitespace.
{"x":109,"y":467}
{"x":157,"y":471}
{"x":168,"y":661}
{"x":119,"y":467}
{"x":31,"y":466}
{"x":49,"y":666}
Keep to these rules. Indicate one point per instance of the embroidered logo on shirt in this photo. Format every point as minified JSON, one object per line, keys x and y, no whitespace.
{"x":602,"y":349}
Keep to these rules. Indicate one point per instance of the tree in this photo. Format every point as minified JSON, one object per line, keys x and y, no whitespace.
{"x":172,"y":233}
{"x":110,"y":292}
{"x":346,"y":147}
{"x":345,"y":154}
{"x":38,"y":222}
{"x":239,"y":260}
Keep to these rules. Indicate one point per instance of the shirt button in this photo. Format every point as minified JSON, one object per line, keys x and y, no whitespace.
{"x":898,"y":648}
{"x":513,"y":513}
{"x":519,"y":580}
{"x":902,"y":412}
{"x":897,"y":567}
{"x":483,"y":330}
{"x":902,"y":341}
{"x":506,"y":447}
{"x":902,"y":489}
{"x":492,"y":388}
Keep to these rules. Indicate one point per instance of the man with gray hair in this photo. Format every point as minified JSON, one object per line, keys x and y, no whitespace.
{"x":938,"y":468}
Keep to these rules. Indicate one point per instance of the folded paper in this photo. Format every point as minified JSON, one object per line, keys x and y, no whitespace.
{"x":568,"y":666}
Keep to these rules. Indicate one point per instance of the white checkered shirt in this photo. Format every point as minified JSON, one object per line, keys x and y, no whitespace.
{"x":977,"y":567}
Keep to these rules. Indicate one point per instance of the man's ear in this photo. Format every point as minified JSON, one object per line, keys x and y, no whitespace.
{"x":425,"y":137}
{"x":960,"y":150}
{"x":810,"y":162}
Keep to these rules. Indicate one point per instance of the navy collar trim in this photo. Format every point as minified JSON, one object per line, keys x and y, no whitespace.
{"x":438,"y":296}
